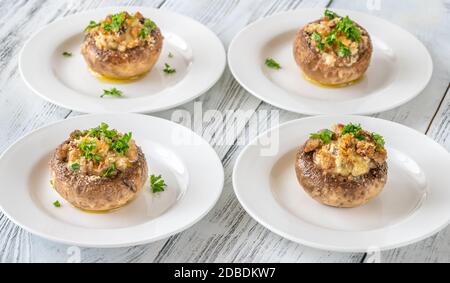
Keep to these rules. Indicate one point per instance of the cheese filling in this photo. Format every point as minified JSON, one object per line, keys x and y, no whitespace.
{"x":334,"y":36}
{"x":94,"y":153}
{"x":348,"y":154}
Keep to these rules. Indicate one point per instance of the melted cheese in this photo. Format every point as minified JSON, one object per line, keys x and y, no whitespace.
{"x":341,"y":157}
{"x":102,"y":149}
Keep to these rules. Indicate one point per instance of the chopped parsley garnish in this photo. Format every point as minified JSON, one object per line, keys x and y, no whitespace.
{"x":168,"y":69}
{"x":109,"y":171}
{"x":379,"y":140}
{"x":325,"y":136}
{"x":343,"y":51}
{"x":106,"y":26}
{"x":143,"y":33}
{"x":120,"y":145}
{"x":116,"y":141}
{"x":102,"y":131}
{"x":330,"y":14}
{"x":149,"y":25}
{"x":170,"y":55}
{"x":67,"y":54}
{"x":331,"y":37}
{"x":112,"y":92}
{"x":157,"y":183}
{"x":56,"y":204}
{"x":92,"y":24}
{"x":318,"y":39}
{"x":351,"y":128}
{"x":271,"y":63}
{"x":354,"y":130}
{"x":88,"y":148}
{"x":349,"y":28}
{"x":75,"y":166}
{"x":345,"y":26}
{"x":117,"y":21}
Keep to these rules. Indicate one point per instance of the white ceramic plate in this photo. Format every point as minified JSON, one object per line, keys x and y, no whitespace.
{"x":413,"y":205}
{"x":198,"y":56}
{"x":400,"y":68}
{"x":179,"y":155}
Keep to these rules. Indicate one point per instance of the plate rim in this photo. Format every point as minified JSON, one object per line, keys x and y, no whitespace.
{"x":147,"y":110}
{"x":304,"y":111}
{"x":123,"y":243}
{"x":326,"y":247}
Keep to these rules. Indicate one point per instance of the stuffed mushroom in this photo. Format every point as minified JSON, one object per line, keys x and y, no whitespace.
{"x":98,"y":169}
{"x":343,"y":167}
{"x":333,"y":50}
{"x":122,"y":46}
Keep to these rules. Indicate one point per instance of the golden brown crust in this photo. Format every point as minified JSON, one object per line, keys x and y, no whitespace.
{"x":312,"y":64}
{"x":97,"y":193}
{"x":336,"y":190}
{"x":126,"y":64}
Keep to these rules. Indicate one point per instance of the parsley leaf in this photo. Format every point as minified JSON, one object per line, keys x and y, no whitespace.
{"x":102,"y":131}
{"x":170,"y":55}
{"x":316,"y":36}
{"x":343,"y":51}
{"x":117,"y":21}
{"x":109,"y":171}
{"x":112,"y":92}
{"x":318,"y":39}
{"x":92,"y":24}
{"x":331,"y":37}
{"x":75,"y":166}
{"x":351,"y":128}
{"x":106,"y":26}
{"x":168,"y":69}
{"x":149,"y":24}
{"x":143,"y":33}
{"x":56,"y":204}
{"x":325,"y":136}
{"x":354,"y":130}
{"x":349,"y":28}
{"x":120,"y":145}
{"x":379,"y":140}
{"x":67,"y":54}
{"x":271,"y":63}
{"x":157,"y":183}
{"x":330,"y":14}
{"x":88,"y":148}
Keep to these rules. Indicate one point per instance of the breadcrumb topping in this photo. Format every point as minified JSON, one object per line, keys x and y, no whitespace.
{"x":99,"y":152}
{"x":123,"y":31}
{"x":347,"y":150}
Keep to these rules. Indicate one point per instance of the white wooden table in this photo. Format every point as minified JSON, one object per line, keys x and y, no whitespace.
{"x":227,"y":233}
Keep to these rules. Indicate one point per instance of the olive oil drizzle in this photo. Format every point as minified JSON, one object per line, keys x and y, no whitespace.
{"x":116,"y":80}
{"x":332,"y":85}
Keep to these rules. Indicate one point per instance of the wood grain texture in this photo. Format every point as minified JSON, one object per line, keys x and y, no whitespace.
{"x":227,"y":233}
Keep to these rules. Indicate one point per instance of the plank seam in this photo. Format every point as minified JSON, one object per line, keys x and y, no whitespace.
{"x":438,"y":108}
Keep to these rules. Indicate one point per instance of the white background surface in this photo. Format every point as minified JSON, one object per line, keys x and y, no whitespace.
{"x":227,"y":233}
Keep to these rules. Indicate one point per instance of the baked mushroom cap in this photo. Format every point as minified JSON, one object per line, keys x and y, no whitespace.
{"x":333,"y":50}
{"x":98,"y":178}
{"x":122,"y":46}
{"x":344,"y":172}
